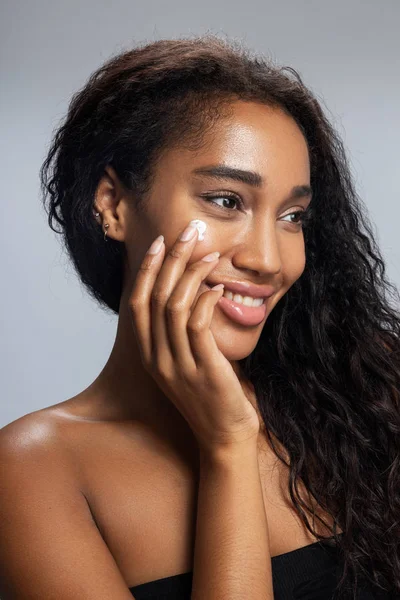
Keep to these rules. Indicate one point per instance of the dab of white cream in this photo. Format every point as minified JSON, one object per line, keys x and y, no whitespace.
{"x":200,"y":226}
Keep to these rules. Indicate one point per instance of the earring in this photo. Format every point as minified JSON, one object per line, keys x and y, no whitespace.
{"x":106,"y":226}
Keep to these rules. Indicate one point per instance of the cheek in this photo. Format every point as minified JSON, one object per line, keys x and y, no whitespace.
{"x":299,"y":266}
{"x":293,"y":263}
{"x":201,"y":249}
{"x":211,"y":243}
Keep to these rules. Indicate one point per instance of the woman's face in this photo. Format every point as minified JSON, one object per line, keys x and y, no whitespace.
{"x":259,"y":239}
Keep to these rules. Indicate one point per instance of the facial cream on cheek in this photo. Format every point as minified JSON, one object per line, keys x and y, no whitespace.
{"x":200,"y":226}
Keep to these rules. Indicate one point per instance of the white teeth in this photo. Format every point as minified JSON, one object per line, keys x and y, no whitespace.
{"x":246,"y":300}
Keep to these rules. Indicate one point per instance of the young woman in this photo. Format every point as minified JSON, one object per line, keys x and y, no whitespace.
{"x":242,"y":440}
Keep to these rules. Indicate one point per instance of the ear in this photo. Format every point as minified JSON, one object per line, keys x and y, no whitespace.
{"x":111,"y":201}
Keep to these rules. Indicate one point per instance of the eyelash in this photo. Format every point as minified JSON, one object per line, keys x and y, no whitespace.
{"x":303,"y":214}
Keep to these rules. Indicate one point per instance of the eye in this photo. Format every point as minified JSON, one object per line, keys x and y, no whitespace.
{"x":299,"y":215}
{"x":229,"y":201}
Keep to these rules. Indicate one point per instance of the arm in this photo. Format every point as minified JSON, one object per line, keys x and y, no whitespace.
{"x":172,"y":321}
{"x":50,"y":546}
{"x":232,"y":558}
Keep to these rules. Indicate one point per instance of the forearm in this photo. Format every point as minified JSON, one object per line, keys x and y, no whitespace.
{"x":231,"y":557}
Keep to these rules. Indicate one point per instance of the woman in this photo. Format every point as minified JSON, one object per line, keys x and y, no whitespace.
{"x":242,"y":440}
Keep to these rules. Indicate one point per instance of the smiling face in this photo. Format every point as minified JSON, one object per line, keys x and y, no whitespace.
{"x":253,"y":227}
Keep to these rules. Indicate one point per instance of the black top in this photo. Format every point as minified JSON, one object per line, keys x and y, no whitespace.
{"x":308,"y":573}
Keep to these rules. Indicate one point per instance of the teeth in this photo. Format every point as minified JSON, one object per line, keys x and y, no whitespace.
{"x":246,"y":300}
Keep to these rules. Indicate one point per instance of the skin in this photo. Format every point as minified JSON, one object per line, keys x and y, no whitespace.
{"x":108,"y":469}
{"x":259,"y":243}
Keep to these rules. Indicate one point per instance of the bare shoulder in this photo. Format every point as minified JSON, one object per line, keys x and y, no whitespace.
{"x":32,"y":435}
{"x":47,"y":432}
{"x":45,"y":519}
{"x":56,"y":440}
{"x":33,"y":453}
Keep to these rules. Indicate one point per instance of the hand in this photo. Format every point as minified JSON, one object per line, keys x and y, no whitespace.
{"x":178,"y":349}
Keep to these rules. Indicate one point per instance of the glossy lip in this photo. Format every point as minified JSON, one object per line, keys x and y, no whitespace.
{"x":245,"y":289}
{"x":242,"y":314}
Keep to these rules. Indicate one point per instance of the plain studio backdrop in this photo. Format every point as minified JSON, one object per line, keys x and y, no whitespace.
{"x":54,"y":338}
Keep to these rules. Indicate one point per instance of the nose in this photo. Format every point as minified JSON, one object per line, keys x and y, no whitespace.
{"x":259,"y":251}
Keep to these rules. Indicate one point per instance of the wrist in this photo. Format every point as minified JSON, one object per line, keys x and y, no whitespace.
{"x":228,"y":453}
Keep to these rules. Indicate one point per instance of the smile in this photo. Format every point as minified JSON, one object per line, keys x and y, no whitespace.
{"x":243,"y":310}
{"x":246,"y":300}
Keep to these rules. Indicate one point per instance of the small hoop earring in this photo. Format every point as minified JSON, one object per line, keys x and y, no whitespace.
{"x":106,"y":226}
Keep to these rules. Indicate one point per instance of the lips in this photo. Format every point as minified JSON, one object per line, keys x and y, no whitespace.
{"x":244,"y":288}
{"x":238,"y":312}
{"x":242,"y":314}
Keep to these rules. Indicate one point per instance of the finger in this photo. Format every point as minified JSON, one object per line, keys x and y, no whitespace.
{"x":202,"y":342}
{"x":174,"y":264}
{"x":139,"y":300}
{"x":179,"y":307}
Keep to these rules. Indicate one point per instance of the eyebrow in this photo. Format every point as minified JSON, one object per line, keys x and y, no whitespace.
{"x":248,"y":177}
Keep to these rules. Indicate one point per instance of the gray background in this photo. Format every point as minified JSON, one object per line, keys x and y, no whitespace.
{"x":54,"y":339}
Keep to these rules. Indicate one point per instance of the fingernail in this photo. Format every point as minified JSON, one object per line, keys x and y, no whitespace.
{"x":219,"y":286}
{"x":156,"y":245}
{"x":187,"y":234}
{"x":211,"y":257}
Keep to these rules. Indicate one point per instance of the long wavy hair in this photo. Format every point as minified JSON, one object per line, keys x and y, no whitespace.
{"x":326,"y":369}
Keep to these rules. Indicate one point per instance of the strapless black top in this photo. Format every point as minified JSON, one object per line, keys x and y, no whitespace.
{"x":308,"y":573}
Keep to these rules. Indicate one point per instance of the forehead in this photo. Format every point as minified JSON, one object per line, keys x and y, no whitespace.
{"x":252,"y":137}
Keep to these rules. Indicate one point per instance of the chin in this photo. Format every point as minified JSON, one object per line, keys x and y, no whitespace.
{"x":233,"y":341}
{"x":235,"y":356}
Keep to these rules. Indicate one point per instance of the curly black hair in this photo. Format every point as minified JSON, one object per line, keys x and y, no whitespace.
{"x":326,"y":367}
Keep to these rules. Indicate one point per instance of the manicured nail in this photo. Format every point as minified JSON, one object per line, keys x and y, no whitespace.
{"x":219,"y":286}
{"x":211,"y":257}
{"x":156,"y":245}
{"x":187,"y":234}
